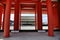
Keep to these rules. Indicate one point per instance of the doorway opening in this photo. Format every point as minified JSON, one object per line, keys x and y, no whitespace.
{"x":28,"y":21}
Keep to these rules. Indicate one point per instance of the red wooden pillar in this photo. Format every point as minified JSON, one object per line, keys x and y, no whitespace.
{"x":59,"y":13}
{"x":16,"y":15}
{"x":3,"y":18}
{"x":7,"y":19}
{"x":1,"y":15}
{"x":36,"y":28}
{"x":55,"y":14}
{"x":50,"y":18}
{"x":20,"y":17}
{"x":39,"y":15}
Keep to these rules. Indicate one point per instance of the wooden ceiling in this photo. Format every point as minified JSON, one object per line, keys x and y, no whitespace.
{"x":27,"y":4}
{"x":26,"y":1}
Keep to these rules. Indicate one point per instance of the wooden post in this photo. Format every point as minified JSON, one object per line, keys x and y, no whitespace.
{"x":16,"y":15}
{"x":39,"y":15}
{"x":1,"y":15}
{"x":59,"y":13}
{"x":3,"y":18}
{"x":7,"y":19}
{"x":55,"y":14}
{"x":20,"y":17}
{"x":50,"y":18}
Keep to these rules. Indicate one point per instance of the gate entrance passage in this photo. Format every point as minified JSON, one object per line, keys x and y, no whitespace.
{"x":28,"y":21}
{"x":29,"y":7}
{"x":28,"y":16}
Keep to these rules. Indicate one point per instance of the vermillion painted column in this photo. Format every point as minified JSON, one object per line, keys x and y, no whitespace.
{"x":20,"y":17}
{"x":39,"y":15}
{"x":7,"y":19}
{"x":3,"y":18}
{"x":50,"y":18}
{"x":16,"y":15}
{"x":1,"y":15}
{"x":59,"y":12}
{"x":55,"y":14}
{"x":36,"y":28}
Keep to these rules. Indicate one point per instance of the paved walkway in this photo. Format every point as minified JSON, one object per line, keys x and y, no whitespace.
{"x":30,"y":36}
